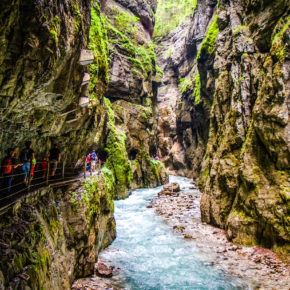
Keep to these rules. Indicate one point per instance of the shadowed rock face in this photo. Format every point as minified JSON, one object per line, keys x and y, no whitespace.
{"x":132,"y":63}
{"x":131,"y":96}
{"x":40,"y":75}
{"x":182,"y":129}
{"x":231,"y":116}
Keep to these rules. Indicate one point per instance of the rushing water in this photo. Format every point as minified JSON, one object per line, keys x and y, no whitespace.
{"x":152,"y":256}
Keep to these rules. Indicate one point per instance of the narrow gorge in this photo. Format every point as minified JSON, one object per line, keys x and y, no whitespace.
{"x":193,"y":88}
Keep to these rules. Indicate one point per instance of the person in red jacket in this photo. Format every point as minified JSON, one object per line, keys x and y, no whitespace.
{"x":8,"y":165}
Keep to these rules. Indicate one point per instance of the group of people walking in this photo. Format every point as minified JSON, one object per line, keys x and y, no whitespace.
{"x":27,"y":162}
{"x":92,"y":161}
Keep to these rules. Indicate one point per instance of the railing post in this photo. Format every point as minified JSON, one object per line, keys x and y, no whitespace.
{"x":47,"y":173}
{"x":29,"y":177}
{"x":63,"y":166}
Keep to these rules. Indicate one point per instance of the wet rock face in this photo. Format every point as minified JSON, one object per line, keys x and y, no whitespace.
{"x":131,"y":51}
{"x":130,"y":99}
{"x":231,"y":114}
{"x":40,"y":76}
{"x":54,"y":236}
{"x":245,"y":169}
{"x":182,"y":141}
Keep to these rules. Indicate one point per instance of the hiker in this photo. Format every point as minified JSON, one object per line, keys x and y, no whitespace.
{"x":54,"y":158}
{"x":33,"y":164}
{"x":8,"y":164}
{"x":44,"y":167}
{"x":88,"y":162}
{"x":26,"y":156}
{"x":93,"y":160}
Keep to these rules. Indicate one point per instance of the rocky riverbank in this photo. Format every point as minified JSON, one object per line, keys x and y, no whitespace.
{"x":261,"y":266}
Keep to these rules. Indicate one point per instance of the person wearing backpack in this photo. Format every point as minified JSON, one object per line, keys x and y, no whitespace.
{"x":93,"y":159}
{"x":8,"y":166}
{"x":26,"y":156}
{"x":33,"y":164}
{"x":88,"y":163}
{"x":54,"y":158}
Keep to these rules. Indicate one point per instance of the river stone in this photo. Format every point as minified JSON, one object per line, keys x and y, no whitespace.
{"x":173,"y":187}
{"x":104,"y":270}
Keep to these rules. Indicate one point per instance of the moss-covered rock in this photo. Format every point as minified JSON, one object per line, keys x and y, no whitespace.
{"x":52,"y":237}
{"x":231,"y":111}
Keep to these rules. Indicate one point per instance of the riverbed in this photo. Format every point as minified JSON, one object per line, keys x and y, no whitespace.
{"x":162,"y":244}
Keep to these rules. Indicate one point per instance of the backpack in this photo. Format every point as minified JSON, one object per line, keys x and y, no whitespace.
{"x":93,"y":156}
{"x":25,"y":155}
{"x":7,"y":166}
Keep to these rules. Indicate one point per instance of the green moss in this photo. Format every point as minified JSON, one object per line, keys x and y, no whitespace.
{"x":279,"y":42}
{"x":99,"y":44}
{"x":136,"y":72}
{"x":148,"y":102}
{"x":77,"y":17}
{"x":125,"y":22}
{"x":194,"y":6}
{"x":140,"y":56}
{"x":156,"y":168}
{"x":169,"y":52}
{"x":281,"y":32}
{"x":184,"y":85}
{"x":145,"y":113}
{"x":204,"y":177}
{"x":242,"y":214}
{"x":208,"y":44}
{"x":53,"y":30}
{"x":240,"y":29}
{"x":159,"y":71}
{"x":196,"y":92}
{"x":109,"y":178}
{"x":117,"y":161}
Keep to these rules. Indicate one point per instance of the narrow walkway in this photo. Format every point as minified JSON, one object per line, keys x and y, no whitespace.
{"x":63,"y":177}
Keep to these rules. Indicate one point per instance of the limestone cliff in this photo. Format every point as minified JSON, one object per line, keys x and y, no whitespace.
{"x":130,"y":99}
{"x":79,"y":74}
{"x":226,"y":82}
{"x":45,"y":97}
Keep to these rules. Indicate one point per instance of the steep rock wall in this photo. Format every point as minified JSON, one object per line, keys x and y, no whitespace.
{"x":246,"y":167}
{"x":130,"y":99}
{"x":62,"y":231}
{"x":182,"y":130}
{"x":231,"y":116}
{"x":41,"y":78}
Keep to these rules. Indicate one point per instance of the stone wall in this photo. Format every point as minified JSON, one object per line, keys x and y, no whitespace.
{"x":40,"y":76}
